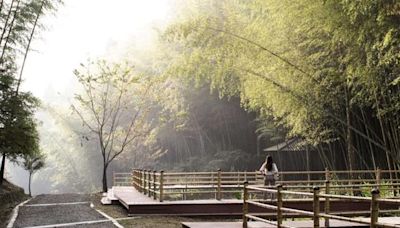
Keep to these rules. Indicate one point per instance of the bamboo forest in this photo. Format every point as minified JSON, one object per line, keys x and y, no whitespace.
{"x":185,"y":100}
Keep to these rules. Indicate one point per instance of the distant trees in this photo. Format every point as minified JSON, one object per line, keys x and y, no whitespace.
{"x":112,"y":105}
{"x":19,"y":20}
{"x":217,"y":133}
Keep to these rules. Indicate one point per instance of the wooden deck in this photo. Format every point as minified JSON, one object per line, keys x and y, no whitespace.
{"x":138,"y":204}
{"x":305,"y":223}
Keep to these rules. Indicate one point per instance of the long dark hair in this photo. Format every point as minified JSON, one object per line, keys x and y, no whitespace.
{"x":269,"y":161}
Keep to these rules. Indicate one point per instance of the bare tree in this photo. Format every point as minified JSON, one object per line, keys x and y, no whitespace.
{"x":113,"y":107}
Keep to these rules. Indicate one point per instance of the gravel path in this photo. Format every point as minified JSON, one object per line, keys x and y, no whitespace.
{"x":60,"y":209}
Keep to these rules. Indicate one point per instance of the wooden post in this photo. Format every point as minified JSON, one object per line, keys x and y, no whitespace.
{"x":279,"y":205}
{"x":245,"y":204}
{"x":139,"y":179}
{"x":144,"y":182}
{"x":161,"y":185}
{"x":154,"y":185}
{"x":327,"y":203}
{"x":238,"y":180}
{"x":184,"y":191}
{"x":133,"y":178}
{"x":308,"y":164}
{"x":316,"y":207}
{"x":146,"y":176}
{"x":149,"y":183}
{"x":374,"y":207}
{"x":378,"y":177}
{"x":136,"y":179}
{"x":394,"y":183}
{"x":219,"y":185}
{"x":113,"y":179}
{"x":327,"y":174}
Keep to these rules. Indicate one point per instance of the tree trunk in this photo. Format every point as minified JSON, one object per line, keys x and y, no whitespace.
{"x":349,"y":142}
{"x":4,"y":30}
{"x":105,"y":188}
{"x":3,"y":164}
{"x":28,"y":46}
{"x":9,"y":31}
{"x":29,"y":184}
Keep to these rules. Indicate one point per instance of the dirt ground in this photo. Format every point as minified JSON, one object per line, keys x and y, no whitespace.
{"x":10,"y":196}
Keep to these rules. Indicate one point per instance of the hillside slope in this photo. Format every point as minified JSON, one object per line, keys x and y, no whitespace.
{"x":10,"y":196}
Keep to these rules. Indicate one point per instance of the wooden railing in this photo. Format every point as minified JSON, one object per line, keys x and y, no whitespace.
{"x":315,"y":214}
{"x":122,"y":179}
{"x":196,"y":185}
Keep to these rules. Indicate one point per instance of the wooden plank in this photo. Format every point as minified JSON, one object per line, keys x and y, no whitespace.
{"x":386,"y":220}
{"x":304,"y":223}
{"x":137,"y":203}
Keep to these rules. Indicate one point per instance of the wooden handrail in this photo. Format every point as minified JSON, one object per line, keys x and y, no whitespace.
{"x":374,"y":200}
{"x":160,"y":184}
{"x":148,"y":182}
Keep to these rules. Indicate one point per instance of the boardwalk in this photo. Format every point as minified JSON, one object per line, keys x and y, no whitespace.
{"x":327,"y":196}
{"x":298,"y":224}
{"x":138,"y":204}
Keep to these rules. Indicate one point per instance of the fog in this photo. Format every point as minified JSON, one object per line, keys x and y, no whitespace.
{"x":193,"y":85}
{"x":78,"y":31}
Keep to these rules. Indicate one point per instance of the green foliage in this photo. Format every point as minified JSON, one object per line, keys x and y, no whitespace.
{"x":33,"y":162}
{"x":385,"y":191}
{"x":18,"y":20}
{"x":18,"y":134}
{"x":320,"y":69}
{"x":238,"y":195}
{"x":114,"y":105}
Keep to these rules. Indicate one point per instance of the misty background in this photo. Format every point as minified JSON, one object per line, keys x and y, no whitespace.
{"x":223,"y":83}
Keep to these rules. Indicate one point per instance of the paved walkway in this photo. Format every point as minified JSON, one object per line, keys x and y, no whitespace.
{"x":64,"y":210}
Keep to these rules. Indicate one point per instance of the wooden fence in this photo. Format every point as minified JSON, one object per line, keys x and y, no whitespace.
{"x":197,"y":185}
{"x":316,"y":214}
